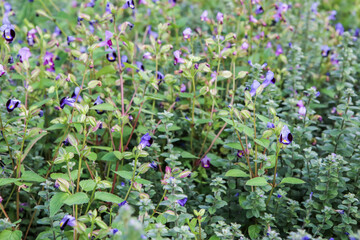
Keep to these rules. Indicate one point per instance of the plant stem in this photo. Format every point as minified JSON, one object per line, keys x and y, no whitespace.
{"x":274,"y":180}
{"x":159,"y":203}
{"x":132,"y":179}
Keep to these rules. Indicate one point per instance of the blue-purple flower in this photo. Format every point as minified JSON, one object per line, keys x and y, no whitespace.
{"x":11,"y":104}
{"x":41,"y":113}
{"x":285,"y":135}
{"x":205,"y":162}
{"x":70,"y":39}
{"x":314,"y":7}
{"x":325,"y":50}
{"x":31,"y":37}
{"x":67,"y":101}
{"x":146,"y":141}
{"x":182,"y":202}
{"x":97,"y":102}
{"x":114,"y":231}
{"x":160,"y":77}
{"x":111,"y":56}
{"x":279,"y":50}
{"x":2,"y":70}
{"x":269,"y":79}
{"x":254,"y":86}
{"x":130,"y":4}
{"x":107,"y":42}
{"x":49,"y":61}
{"x":187,"y":33}
{"x":123,"y":203}
{"x":68,"y":220}
{"x":140,"y":65}
{"x":240,"y":153}
{"x":204,"y":16}
{"x":220,"y":17}
{"x":177,"y":57}
{"x":124,"y":59}
{"x":76,"y":94}
{"x":183,"y":88}
{"x":153,"y":165}
{"x":270,"y":125}
{"x":7,"y":29}
{"x":332,"y":15}
{"x":339,"y":28}
{"x":259,"y":9}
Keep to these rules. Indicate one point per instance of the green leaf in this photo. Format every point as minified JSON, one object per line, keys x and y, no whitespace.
{"x":32,"y":177}
{"x":65,"y":176}
{"x":104,"y":107}
{"x":262,"y":118}
{"x":11,"y":235}
{"x":254,"y":231}
{"x":124,"y":174}
{"x":234,"y":145}
{"x":56,"y":202}
{"x":5,"y":181}
{"x":87,"y":185}
{"x":236,"y":173}
{"x":109,"y":69}
{"x":108,"y":197}
{"x":31,"y":144}
{"x":292,"y":180}
{"x":185,"y":154}
{"x":258,"y":182}
{"x":263,"y":142}
{"x":77,"y":198}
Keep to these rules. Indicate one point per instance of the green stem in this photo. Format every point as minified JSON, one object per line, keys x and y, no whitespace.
{"x":159,"y":203}
{"x":132,"y":179}
{"x":274,"y":180}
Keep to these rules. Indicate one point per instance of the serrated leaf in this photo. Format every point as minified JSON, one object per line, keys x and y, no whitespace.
{"x":254,"y":231}
{"x":11,"y":235}
{"x":236,"y":173}
{"x":56,"y":202}
{"x":292,"y":180}
{"x":258,"y":182}
{"x":87,"y":185}
{"x":108,"y":197}
{"x":77,"y":198}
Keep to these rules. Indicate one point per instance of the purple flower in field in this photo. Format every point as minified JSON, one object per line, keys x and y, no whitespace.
{"x":205,"y":162}
{"x":325,"y":50}
{"x":268,"y":45}
{"x":66,"y":142}
{"x":49,"y":60}
{"x":147,"y":55}
{"x":332,"y":15}
{"x":91,"y":3}
{"x":140,"y":65}
{"x":31,"y":37}
{"x":153,"y":165}
{"x":213,"y":76}
{"x":187,"y":33}
{"x":339,"y":28}
{"x":24,"y":54}
{"x":146,"y":141}
{"x":107,"y":42}
{"x":269,"y":79}
{"x":220,"y":17}
{"x":302,"y":111}
{"x":183,"y":88}
{"x":240,"y":153}
{"x":311,"y":195}
{"x":244,"y":45}
{"x":279,"y":50}
{"x":124,"y":59}
{"x":57,"y":184}
{"x":70,"y":39}
{"x":160,"y":77}
{"x":270,"y":125}
{"x":334,"y":59}
{"x":340,"y":211}
{"x":279,"y":196}
{"x":7,"y":7}
{"x":114,"y":231}
{"x":99,"y":101}
{"x":123,"y":203}
{"x":314,"y":7}
{"x":76,"y":94}
{"x":41,"y":113}
{"x":306,"y":238}
{"x":11,"y":104}
{"x":57,"y":31}
{"x":67,"y":101}
{"x":252,"y":19}
{"x":254,"y":86}
{"x":129,"y":4}
{"x":259,"y":9}
{"x":111,"y":56}
{"x":357,"y":32}
{"x":151,"y":33}
{"x":317,"y":94}
{"x":2,"y":70}
{"x":177,"y":57}
{"x":172,"y":2}
{"x":7,"y":29}
{"x":67,"y":220}
{"x":204,"y":16}
{"x":285,"y":135}
{"x":182,"y":202}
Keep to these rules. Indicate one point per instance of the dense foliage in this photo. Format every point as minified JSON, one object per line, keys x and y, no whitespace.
{"x":165,"y":119}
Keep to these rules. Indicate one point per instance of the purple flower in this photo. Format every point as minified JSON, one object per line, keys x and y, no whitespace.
{"x":252,"y":19}
{"x":160,"y":77}
{"x":279,"y":50}
{"x":49,"y":60}
{"x":76,"y":94}
{"x":244,"y":45}
{"x":147,"y":55}
{"x":11,"y":104}
{"x":311,"y":195}
{"x":31,"y":37}
{"x":183,"y":88}
{"x":279,"y":196}
{"x":317,"y":93}
{"x":285,"y":136}
{"x":332,"y":15}
{"x":114,"y":231}
{"x":2,"y":70}
{"x":314,"y":7}
{"x":254,"y":86}
{"x":259,"y":9}
{"x":182,"y":202}
{"x":7,"y":29}
{"x":66,"y":142}
{"x":124,"y":59}
{"x":153,"y":165}
{"x":57,"y":184}
{"x":123,"y":203}
{"x":111,"y":56}
{"x":302,"y":111}
{"x":240,"y":153}
{"x":41,"y":113}
{"x":204,"y":16}
{"x":339,"y":28}
{"x":270,"y":125}
{"x":57,"y":31}
{"x":70,"y":39}
{"x":107,"y":42}
{"x":325,"y":50}
{"x":187,"y":33}
{"x":67,"y":220}
{"x":269,"y":45}
{"x":151,"y":33}
{"x":67,"y":101}
{"x":269,"y":79}
{"x":97,"y":102}
{"x":130,"y":4}
{"x":177,"y":58}
{"x":140,"y":66}
{"x":205,"y":162}
{"x":7,"y":7}
{"x":306,"y":238}
{"x":220,"y":17}
{"x":172,"y":2}
{"x":340,"y":211}
{"x":146,"y":141}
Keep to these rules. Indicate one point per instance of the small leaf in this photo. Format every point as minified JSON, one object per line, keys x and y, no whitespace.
{"x":5,"y":181}
{"x":32,"y":177}
{"x":109,"y":69}
{"x":258,"y":181}
{"x":236,"y":173}
{"x":11,"y":235}
{"x":236,"y":146}
{"x":185,"y":154}
{"x":292,"y":180}
{"x":77,"y":198}
{"x":108,"y":197}
{"x":56,"y":202}
{"x":124,"y":174}
{"x":104,"y":107}
{"x":87,"y":185}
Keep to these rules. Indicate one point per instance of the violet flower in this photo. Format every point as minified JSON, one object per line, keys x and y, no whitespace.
{"x":259,"y":9}
{"x":124,"y":59}
{"x":339,"y":28}
{"x":285,"y":136}
{"x":244,"y":45}
{"x":97,"y":102}
{"x":270,"y":125}
{"x":67,"y":220}
{"x":177,"y":58}
{"x":7,"y":29}
{"x":332,"y":15}
{"x":252,"y":19}
{"x":24,"y":54}
{"x":107,"y":42}
{"x":129,"y":4}
{"x":11,"y":104}
{"x":76,"y":94}
{"x":153,"y":165}
{"x":123,"y":203}
{"x":182,"y":202}
{"x":325,"y":50}
{"x":70,"y":39}
{"x":160,"y":77}
{"x":49,"y":60}
{"x":31,"y":37}
{"x":140,"y":65}
{"x":279,"y":50}
{"x":67,"y":101}
{"x":187,"y":33}
{"x":314,"y":7}
{"x":254,"y":86}
{"x":2,"y":70}
{"x":220,"y":17}
{"x":183,"y":88}
{"x":147,"y":55}
{"x":205,"y":162}
{"x":240,"y":153}
{"x":111,"y":56}
{"x":269,"y":79}
{"x":204,"y":16}
{"x":146,"y":141}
